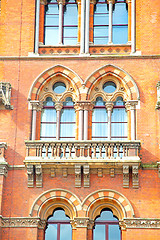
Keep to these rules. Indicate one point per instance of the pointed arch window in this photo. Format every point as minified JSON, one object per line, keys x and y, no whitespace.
{"x":68,"y":120}
{"x":119,"y":120}
{"x":99,"y":120}
{"x":106,"y":226}
{"x":48,"y":120}
{"x":58,"y":226}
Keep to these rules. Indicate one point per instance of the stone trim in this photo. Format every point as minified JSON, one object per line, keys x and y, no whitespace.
{"x":141,"y":223}
{"x":82,"y":222}
{"x":19,"y":222}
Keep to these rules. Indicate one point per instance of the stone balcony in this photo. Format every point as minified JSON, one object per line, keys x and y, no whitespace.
{"x":68,"y":157}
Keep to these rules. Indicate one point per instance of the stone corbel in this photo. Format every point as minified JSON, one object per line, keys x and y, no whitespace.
{"x":126,"y":176}
{"x":36,"y":105}
{"x":30,"y":172}
{"x":158,"y":163}
{"x":158,"y":95}
{"x":3,"y":163}
{"x":77,"y":175}
{"x":86,"y":175}
{"x":135,"y":178}
{"x":38,"y":169}
{"x":100,"y":172}
{"x":65,"y":172}
{"x":5,"y":94}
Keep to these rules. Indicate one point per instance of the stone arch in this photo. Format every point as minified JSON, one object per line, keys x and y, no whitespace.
{"x":131,"y":89}
{"x":48,"y":201}
{"x":106,"y":198}
{"x":47,"y":75}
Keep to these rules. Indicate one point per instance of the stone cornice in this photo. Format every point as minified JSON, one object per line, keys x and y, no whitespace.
{"x":19,"y":222}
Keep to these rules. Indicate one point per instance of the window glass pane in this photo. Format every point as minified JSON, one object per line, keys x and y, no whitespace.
{"x":120,"y":14}
{"x":51,"y":232}
{"x":101,"y":19}
{"x":109,"y":87}
{"x":106,"y":215}
{"x":70,"y":32}
{"x":67,"y":131}
{"x":52,"y":20}
{"x":68,"y":115}
{"x":65,"y":232}
{"x":48,"y":115}
{"x":120,"y":34}
{"x":119,"y":115}
{"x":100,"y":31}
{"x":101,"y":8}
{"x":114,"y":232}
{"x":99,"y":232}
{"x":70,"y":41}
{"x":71,"y":15}
{"x":51,"y":35}
{"x":48,"y":130}
{"x":99,"y":130}
{"x":99,"y":115}
{"x":59,"y":87}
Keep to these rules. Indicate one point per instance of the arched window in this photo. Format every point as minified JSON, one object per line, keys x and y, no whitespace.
{"x":58,"y":226}
{"x":101,"y":22}
{"x":119,"y":120}
{"x":99,"y":120}
{"x":68,"y":120}
{"x":120,"y":22}
{"x":106,"y":226}
{"x":110,"y":22}
{"x":61,"y":23}
{"x":48,"y":120}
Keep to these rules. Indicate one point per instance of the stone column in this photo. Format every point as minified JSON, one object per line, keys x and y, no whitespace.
{"x":36,"y":44}
{"x":61,"y":3}
{"x":133,"y":26}
{"x":109,"y":107}
{"x":130,"y":105}
{"x":110,"y":2}
{"x":129,"y":20}
{"x":58,"y":107}
{"x":87,"y":22}
{"x":3,"y":170}
{"x":82,"y":43}
{"x":36,"y":106}
{"x":87,"y":107}
{"x":79,"y":107}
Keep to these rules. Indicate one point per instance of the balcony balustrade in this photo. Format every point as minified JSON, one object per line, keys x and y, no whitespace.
{"x":75,"y":151}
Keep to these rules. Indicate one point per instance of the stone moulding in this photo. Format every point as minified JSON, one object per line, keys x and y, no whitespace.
{"x":141,"y":223}
{"x":19,"y":222}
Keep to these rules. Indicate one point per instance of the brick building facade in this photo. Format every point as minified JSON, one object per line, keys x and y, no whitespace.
{"x":79,"y":119}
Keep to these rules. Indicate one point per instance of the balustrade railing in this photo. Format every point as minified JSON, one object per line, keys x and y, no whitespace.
{"x":82,"y":149}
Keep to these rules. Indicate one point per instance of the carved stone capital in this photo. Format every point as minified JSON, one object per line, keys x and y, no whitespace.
{"x":111,"y":1}
{"x":36,"y":105}
{"x":58,"y":106}
{"x":131,"y":104}
{"x":43,"y":2}
{"x":63,"y":2}
{"x":109,"y":106}
{"x":82,"y":222}
{"x":83,"y":106}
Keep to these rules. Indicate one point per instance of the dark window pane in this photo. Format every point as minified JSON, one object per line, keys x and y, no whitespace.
{"x":59,"y":87}
{"x":99,"y":232}
{"x":114,"y":232}
{"x":120,"y":34}
{"x":65,"y":232}
{"x":109,"y":87}
{"x":52,"y":9}
{"x":51,"y":35}
{"x":51,"y":232}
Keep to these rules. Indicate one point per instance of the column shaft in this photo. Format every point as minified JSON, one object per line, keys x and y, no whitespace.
{"x":34,"y":116}
{"x":87,"y":26}
{"x":82,"y":44}
{"x":85,"y":124}
{"x":109,"y":124}
{"x":58,"y":124}
{"x":60,"y":22}
{"x":80,"y":124}
{"x":110,"y":21}
{"x":37,"y":26}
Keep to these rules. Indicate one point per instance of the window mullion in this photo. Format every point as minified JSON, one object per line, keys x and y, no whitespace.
{"x":58,"y":107}
{"x":82,"y":45}
{"x":107,"y":233}
{"x":111,"y":2}
{"x":60,"y":22}
{"x":58,"y":231}
{"x":87,"y":26}
{"x":109,"y":106}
